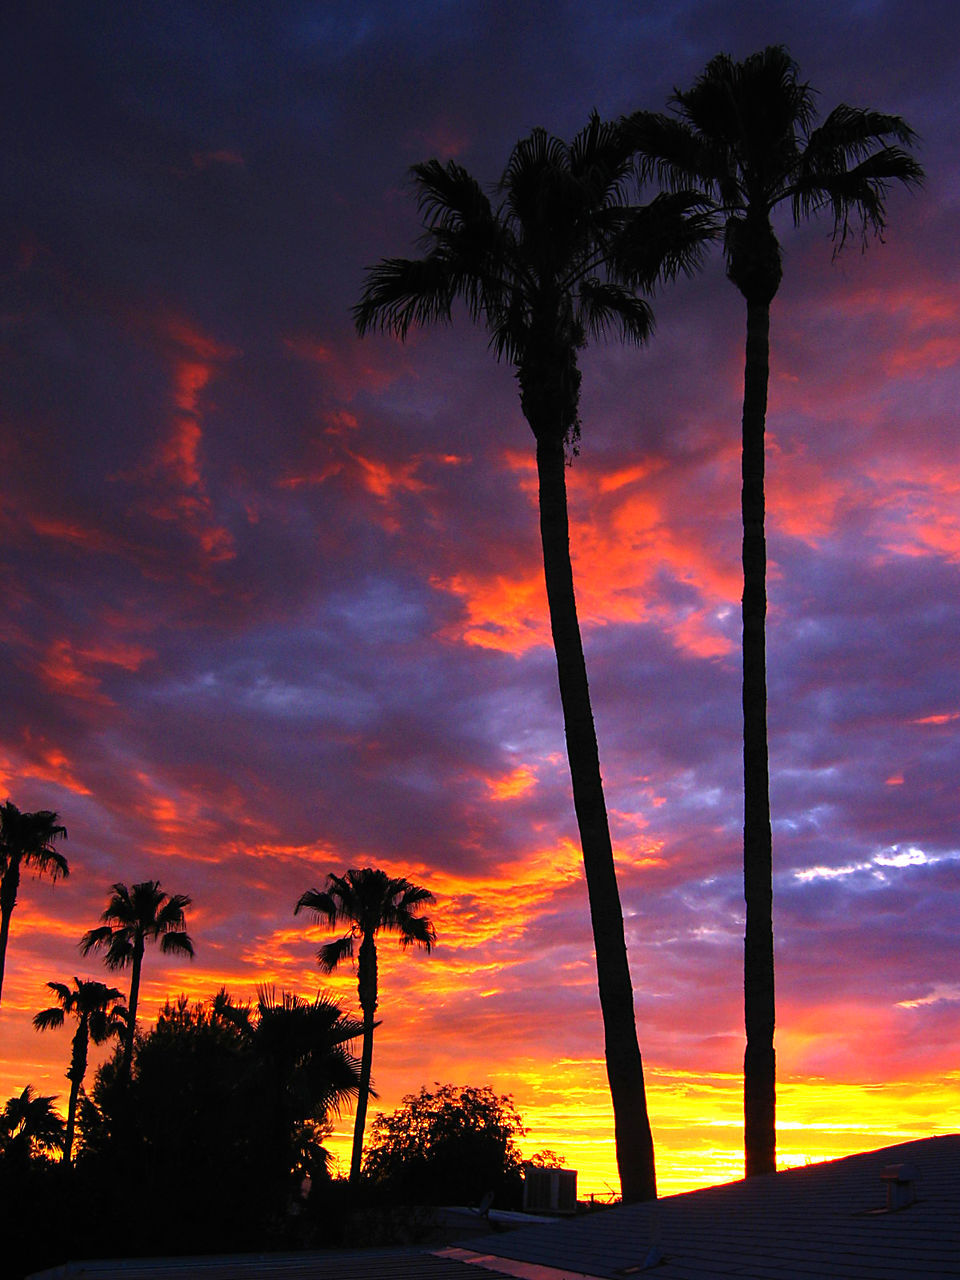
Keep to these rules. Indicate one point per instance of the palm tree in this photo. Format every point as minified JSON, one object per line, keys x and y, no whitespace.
{"x":559,"y":259}
{"x":300,"y":1047}
{"x":29,"y":1124}
{"x":99,"y":1015}
{"x":745,"y":134}
{"x":26,"y":839}
{"x":368,"y":901}
{"x":132,"y":917}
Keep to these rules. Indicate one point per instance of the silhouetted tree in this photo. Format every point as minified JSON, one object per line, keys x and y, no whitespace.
{"x":449,"y":1145}
{"x":133,"y":917}
{"x":224,"y":1112}
{"x":99,"y":1016}
{"x":558,"y":260}
{"x":369,"y":902}
{"x":304,"y":1071}
{"x":30,"y":1125}
{"x":26,"y":840}
{"x":745,"y":134}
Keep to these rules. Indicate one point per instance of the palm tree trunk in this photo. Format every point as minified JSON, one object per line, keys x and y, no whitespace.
{"x":132,"y":1003}
{"x":8,"y":900}
{"x":78,"y":1069}
{"x":367,"y":990}
{"x":634,"y":1141}
{"x":366,"y":1063}
{"x":759,"y":1064}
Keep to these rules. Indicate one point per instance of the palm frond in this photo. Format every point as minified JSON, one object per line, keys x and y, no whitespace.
{"x":320,"y":902}
{"x":400,"y":292}
{"x":332,"y":954}
{"x":180,"y":944}
{"x":449,"y":196}
{"x":664,"y":239}
{"x":856,"y":195}
{"x":604,"y":306}
{"x":667,"y":149}
{"x":601,"y":160}
{"x":48,"y":1019}
{"x":94,"y":939}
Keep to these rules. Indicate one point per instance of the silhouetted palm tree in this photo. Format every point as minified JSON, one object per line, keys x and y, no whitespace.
{"x":557,"y":261}
{"x":26,"y":840}
{"x":300,"y":1047}
{"x":99,"y":1016}
{"x":133,"y":917}
{"x":744,"y":133}
{"x":369,"y":902}
{"x":29,"y":1124}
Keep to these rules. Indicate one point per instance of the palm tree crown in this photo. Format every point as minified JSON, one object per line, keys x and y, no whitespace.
{"x":29,"y":1123}
{"x":558,"y":260}
{"x":26,"y":839}
{"x":369,"y":902}
{"x":744,"y":133}
{"x":99,"y":1016}
{"x":561,"y":258}
{"x":133,"y":917}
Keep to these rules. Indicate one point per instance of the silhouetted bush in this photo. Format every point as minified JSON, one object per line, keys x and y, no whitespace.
{"x":450,"y":1146}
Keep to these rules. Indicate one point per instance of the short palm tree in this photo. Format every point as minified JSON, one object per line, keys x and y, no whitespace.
{"x":132,"y":918}
{"x":99,"y":1015}
{"x":26,"y":840}
{"x":561,"y":258}
{"x":28,"y":1124}
{"x":744,"y":133}
{"x":369,"y":902}
{"x":301,"y":1049}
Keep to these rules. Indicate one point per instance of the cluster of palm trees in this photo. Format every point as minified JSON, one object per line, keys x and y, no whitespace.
{"x":287,"y":1032}
{"x":566,"y":253}
{"x":131,"y":918}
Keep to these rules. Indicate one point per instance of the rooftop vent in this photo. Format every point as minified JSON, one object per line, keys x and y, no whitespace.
{"x":549,"y":1190}
{"x":901,"y":1184}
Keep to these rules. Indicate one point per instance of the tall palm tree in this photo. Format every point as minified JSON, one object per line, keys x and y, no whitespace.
{"x":368,"y":901}
{"x":559,"y":259}
{"x":99,"y":1016}
{"x":28,"y":1123}
{"x":745,"y":134}
{"x":26,"y":840}
{"x":132,"y":918}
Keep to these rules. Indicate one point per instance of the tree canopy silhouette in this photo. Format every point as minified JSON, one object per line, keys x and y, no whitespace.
{"x":369,"y":902}
{"x":449,"y":1145}
{"x":29,"y":1125}
{"x":561,"y":258}
{"x":226,"y":1109}
{"x":745,"y":134}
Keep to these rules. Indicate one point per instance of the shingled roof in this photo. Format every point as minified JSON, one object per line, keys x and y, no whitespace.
{"x":820,"y":1222}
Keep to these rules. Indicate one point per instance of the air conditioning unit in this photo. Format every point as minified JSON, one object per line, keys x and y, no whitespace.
{"x":549,"y":1190}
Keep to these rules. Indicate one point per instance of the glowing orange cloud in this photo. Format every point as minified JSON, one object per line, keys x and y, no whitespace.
{"x":65,"y":668}
{"x":516,"y":783}
{"x":42,"y":762}
{"x":174,"y":471}
{"x":378,"y":478}
{"x":622,"y":540}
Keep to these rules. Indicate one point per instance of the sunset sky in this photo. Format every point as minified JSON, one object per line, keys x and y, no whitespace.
{"x":273,"y":600}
